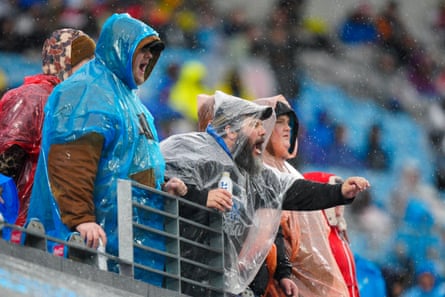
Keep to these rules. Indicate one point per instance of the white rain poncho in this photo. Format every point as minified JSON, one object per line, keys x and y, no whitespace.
{"x":250,"y":227}
{"x":306,"y":233}
{"x":199,"y":159}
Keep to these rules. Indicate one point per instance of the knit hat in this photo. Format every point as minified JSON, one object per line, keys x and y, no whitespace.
{"x":60,"y":48}
{"x":82,"y":48}
{"x":284,"y":109}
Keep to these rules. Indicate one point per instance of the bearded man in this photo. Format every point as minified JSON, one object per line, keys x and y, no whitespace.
{"x":234,"y":141}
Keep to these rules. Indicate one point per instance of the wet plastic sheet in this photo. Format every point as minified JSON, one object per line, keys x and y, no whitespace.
{"x":9,"y":203}
{"x":199,"y":159}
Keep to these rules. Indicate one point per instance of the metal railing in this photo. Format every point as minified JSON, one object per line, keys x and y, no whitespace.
{"x":172,"y":237}
{"x":169,"y":233}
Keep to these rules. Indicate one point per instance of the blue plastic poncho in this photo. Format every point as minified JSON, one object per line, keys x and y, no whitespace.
{"x":101,"y":98}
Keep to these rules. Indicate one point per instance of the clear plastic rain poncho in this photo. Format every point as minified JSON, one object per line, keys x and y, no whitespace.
{"x":101,"y":98}
{"x":306,"y":233}
{"x":200,"y":158}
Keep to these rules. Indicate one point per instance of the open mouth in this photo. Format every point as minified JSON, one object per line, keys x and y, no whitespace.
{"x":258,"y":148}
{"x":142,"y":67}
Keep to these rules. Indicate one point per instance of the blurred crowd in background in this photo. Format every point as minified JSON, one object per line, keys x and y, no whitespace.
{"x":370,"y":62}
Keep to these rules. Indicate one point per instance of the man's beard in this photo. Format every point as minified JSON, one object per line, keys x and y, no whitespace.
{"x":246,"y":160}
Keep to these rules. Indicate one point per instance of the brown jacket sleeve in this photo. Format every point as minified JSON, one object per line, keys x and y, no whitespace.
{"x":72,"y":169}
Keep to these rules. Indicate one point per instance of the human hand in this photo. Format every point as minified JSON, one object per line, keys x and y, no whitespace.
{"x":91,"y":233}
{"x":219,"y":199}
{"x":289,"y":287}
{"x":354,"y":185}
{"x":175,"y":186}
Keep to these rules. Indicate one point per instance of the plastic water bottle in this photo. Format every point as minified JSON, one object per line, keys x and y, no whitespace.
{"x":101,"y":259}
{"x":225,"y":182}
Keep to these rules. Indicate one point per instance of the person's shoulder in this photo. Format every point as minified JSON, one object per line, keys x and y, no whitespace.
{"x":28,"y":82}
{"x":270,"y":172}
{"x":181,"y":135}
{"x":183,"y":139}
{"x":83,"y":84}
{"x":270,"y":175}
{"x":26,"y":90}
{"x":198,"y":147}
{"x":11,"y":93}
{"x":186,"y":136}
{"x":93,"y":75}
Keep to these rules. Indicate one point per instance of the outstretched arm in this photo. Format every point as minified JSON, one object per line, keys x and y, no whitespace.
{"x":307,"y":195}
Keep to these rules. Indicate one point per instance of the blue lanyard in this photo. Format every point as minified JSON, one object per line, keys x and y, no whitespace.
{"x":218,"y":139}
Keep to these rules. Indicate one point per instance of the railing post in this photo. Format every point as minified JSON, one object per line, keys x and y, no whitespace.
{"x":173,"y":266}
{"x":77,"y":251}
{"x":125,"y":226}
{"x":174,"y":279}
{"x":217,"y":241}
{"x":35,"y":236}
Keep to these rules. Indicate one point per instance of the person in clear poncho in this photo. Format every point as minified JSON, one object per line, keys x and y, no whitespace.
{"x":97,"y":131}
{"x":306,"y":233}
{"x":21,"y":110}
{"x":277,"y":268}
{"x":338,"y":237}
{"x":234,"y":142}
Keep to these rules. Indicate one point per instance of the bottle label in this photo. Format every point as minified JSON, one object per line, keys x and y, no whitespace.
{"x":224,"y":185}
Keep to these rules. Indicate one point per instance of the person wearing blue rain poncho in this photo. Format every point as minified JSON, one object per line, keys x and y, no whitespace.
{"x":97,"y":131}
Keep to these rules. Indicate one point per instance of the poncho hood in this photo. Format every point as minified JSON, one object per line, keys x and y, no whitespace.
{"x":118,"y":42}
{"x":57,"y":52}
{"x":282,"y":107}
